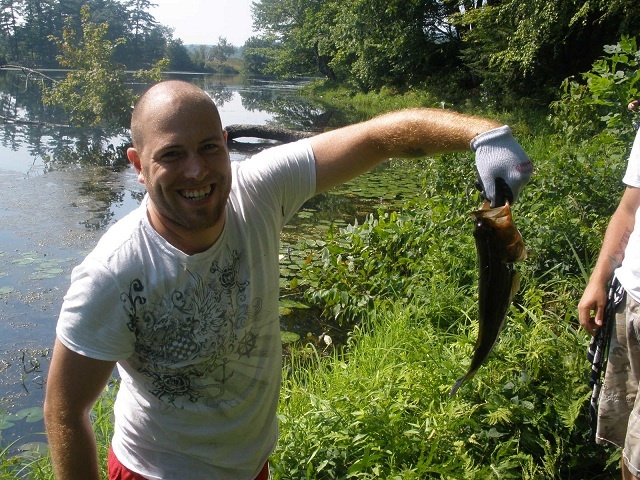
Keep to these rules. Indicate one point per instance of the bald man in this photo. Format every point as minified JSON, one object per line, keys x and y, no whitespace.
{"x":182,"y":294}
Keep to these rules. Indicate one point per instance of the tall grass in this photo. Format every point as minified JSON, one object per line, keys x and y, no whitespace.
{"x":381,"y":408}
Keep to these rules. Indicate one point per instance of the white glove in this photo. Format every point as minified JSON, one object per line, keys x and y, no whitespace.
{"x":500,"y":159}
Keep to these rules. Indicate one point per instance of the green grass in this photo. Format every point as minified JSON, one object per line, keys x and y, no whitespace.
{"x":381,"y":408}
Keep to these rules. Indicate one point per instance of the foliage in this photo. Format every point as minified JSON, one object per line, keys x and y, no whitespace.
{"x":93,"y":92}
{"x":392,"y":255}
{"x":25,"y":26}
{"x":366,"y":44}
{"x":382,"y":409}
{"x":214,"y":58}
{"x":506,"y":49}
{"x":404,"y":284}
{"x":256,"y":56}
{"x":601,"y":98}
{"x":379,"y":407}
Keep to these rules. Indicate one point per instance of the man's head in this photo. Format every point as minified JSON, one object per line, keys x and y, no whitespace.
{"x":181,"y":156}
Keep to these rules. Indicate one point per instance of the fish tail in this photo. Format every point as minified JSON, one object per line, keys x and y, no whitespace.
{"x":457,"y":385}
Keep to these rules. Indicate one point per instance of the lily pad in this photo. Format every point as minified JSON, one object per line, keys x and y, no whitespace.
{"x":5,"y":423}
{"x":289,"y":337}
{"x":6,"y":289}
{"x":33,"y":450}
{"x":32,"y":414}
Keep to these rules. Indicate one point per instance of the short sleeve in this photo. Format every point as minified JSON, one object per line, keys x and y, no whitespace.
{"x":94,"y":319}
{"x":287,"y":172}
{"x":632,"y":175}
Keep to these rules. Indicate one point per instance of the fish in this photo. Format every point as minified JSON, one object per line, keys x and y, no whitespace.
{"x":499,"y":246}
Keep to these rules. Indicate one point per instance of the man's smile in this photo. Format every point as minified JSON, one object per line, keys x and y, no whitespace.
{"x":197,"y":193}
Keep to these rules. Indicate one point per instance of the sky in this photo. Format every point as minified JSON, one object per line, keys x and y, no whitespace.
{"x":203,"y":21}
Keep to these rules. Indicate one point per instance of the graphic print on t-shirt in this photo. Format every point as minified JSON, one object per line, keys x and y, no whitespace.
{"x":189,"y":339}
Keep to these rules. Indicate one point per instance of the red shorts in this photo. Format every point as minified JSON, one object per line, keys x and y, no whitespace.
{"x":117,"y":471}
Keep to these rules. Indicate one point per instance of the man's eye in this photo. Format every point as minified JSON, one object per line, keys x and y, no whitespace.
{"x":170,"y":155}
{"x":210,"y":146}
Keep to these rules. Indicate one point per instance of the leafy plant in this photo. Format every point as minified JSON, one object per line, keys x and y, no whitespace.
{"x":596,"y":103}
{"x":93,"y":92}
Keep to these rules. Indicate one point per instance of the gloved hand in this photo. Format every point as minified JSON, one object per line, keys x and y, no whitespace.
{"x":503,"y":166}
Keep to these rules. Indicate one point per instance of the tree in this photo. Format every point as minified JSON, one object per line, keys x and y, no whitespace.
{"x":368,"y":43}
{"x":10,"y":13}
{"x":286,"y":35}
{"x":93,"y":91}
{"x":519,"y":47}
{"x":142,"y":25}
{"x":255,"y":57}
{"x":222,"y":51}
{"x":179,"y":58}
{"x":39,"y":23}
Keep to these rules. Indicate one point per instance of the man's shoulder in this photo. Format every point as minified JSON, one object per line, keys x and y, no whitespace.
{"x":121,"y":238}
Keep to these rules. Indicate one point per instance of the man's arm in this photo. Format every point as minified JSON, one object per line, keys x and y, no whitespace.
{"x":611,"y":254}
{"x":347,"y":152}
{"x":74,"y":384}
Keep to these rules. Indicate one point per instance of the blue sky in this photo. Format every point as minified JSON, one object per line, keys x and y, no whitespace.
{"x":203,"y":21}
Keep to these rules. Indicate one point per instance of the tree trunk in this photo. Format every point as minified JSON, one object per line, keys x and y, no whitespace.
{"x":266,"y":132}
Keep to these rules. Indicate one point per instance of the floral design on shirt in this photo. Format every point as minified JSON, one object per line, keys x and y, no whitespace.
{"x":189,"y":337}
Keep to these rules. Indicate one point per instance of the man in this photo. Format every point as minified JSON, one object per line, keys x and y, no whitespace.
{"x":183,"y":292}
{"x":619,"y":406}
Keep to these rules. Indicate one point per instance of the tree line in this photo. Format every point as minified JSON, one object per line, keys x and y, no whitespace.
{"x":498,"y":50}
{"x":30,"y":31}
{"x":505,"y":48}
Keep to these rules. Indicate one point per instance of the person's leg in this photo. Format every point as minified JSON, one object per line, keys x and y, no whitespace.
{"x":620,"y":386}
{"x":631,"y":451}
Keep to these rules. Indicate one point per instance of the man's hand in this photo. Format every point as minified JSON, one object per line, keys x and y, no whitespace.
{"x":503,"y":166}
{"x":591,"y":306}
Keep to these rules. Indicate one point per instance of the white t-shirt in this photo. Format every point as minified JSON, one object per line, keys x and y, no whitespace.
{"x":629,"y":272}
{"x":196,"y":338}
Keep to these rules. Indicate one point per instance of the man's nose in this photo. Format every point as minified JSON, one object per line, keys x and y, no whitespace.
{"x":195,"y":166}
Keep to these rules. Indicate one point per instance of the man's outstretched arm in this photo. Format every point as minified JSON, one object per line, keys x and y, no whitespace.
{"x":345,"y":153}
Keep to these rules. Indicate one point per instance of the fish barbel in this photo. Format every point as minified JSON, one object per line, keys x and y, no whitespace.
{"x":499,"y":245}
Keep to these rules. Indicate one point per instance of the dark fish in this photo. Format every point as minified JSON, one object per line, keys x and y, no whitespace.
{"x":499,"y":245}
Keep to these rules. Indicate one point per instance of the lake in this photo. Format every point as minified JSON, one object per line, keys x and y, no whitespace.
{"x":60,"y":188}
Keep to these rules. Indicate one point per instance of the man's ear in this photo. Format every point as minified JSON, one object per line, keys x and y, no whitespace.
{"x":226,"y":135}
{"x":134,"y":158}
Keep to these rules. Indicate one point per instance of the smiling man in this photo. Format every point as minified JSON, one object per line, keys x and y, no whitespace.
{"x":182,"y":294}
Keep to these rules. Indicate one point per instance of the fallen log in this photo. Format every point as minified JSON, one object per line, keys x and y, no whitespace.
{"x":266,"y":132}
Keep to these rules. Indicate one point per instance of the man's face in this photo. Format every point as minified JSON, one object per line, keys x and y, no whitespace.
{"x":184,"y":163}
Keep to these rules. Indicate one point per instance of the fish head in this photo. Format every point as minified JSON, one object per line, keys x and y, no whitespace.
{"x":497,"y":224}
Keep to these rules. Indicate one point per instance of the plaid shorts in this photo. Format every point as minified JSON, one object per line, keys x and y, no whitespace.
{"x":619,"y":410}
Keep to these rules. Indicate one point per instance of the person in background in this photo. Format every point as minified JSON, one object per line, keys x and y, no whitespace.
{"x":618,"y":420}
{"x":182,"y":294}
